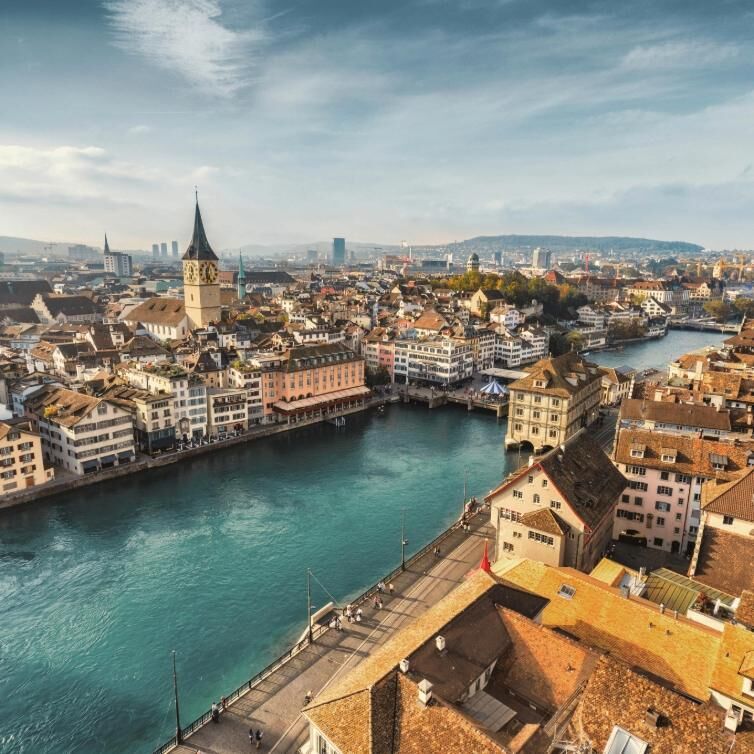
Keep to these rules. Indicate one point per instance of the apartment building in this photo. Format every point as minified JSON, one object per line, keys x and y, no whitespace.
{"x":665,"y":472}
{"x":440,"y":361}
{"x":676,"y":418}
{"x":672,"y":294}
{"x":153,"y":416}
{"x":188,"y":392}
{"x":80,"y":433}
{"x":378,"y":349}
{"x":227,"y":411}
{"x":678,"y":665}
{"x":559,"y":396}
{"x":617,"y":385}
{"x":21,"y":458}
{"x":248,"y":375}
{"x":559,"y":508}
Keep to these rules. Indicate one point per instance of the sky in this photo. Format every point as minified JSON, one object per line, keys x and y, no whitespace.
{"x":417,"y":120}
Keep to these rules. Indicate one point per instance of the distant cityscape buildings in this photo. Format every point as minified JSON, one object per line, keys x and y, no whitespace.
{"x":155,"y":250}
{"x":117,"y":262}
{"x":498,"y":258}
{"x":174,"y":249}
{"x":311,"y":256}
{"x":541,"y":258}
{"x":163,"y":249}
{"x":338,"y":252}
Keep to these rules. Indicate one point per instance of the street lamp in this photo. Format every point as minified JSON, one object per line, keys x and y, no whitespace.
{"x":404,"y":541}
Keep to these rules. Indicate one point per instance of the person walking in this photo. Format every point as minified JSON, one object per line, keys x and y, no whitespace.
{"x":215,"y":712}
{"x":258,"y":737}
{"x":391,"y":588}
{"x":251,"y":737}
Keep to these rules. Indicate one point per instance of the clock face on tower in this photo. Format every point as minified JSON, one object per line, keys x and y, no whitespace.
{"x":189,"y":272}
{"x":207,"y":272}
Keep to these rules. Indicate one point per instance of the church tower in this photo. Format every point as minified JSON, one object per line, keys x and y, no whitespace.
{"x":201,"y":287}
{"x":241,"y":279}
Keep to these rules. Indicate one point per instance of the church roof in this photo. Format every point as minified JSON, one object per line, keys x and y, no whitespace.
{"x":199,"y":247}
{"x":107,"y":246}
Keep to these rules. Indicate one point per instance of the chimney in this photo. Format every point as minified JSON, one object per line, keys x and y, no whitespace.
{"x":404,"y":666}
{"x":652,"y":718}
{"x":425,"y":693}
{"x":440,"y":643}
{"x":662,"y":608}
{"x":731,"y":720}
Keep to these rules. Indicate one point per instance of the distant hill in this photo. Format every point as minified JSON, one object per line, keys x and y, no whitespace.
{"x":583,"y":243}
{"x":12,"y":245}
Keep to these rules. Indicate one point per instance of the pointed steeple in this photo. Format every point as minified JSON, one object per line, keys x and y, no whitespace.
{"x":199,"y":247}
{"x":241,"y":277}
{"x":107,"y":247}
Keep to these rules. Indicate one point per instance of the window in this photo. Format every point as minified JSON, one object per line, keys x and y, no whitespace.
{"x":517,"y":427}
{"x":535,"y":414}
{"x":657,"y":541}
{"x":553,"y":417}
{"x":566,"y":592}
{"x":544,"y":483}
{"x":518,"y":493}
{"x":642,"y":486}
{"x":555,"y":504}
{"x":636,"y":453}
{"x":507,"y":547}
{"x":728,"y":520}
{"x":553,"y":433}
{"x":664,"y":507}
{"x":662,"y":490}
{"x":519,"y":412}
{"x":531,"y":478}
{"x":677,"y":516}
{"x":555,"y":402}
{"x":660,"y":520}
{"x":537,"y":399}
{"x":638,"y":470}
{"x":535,"y":430}
{"x":625,"y":498}
{"x":683,"y":478}
{"x":543,"y":538}
{"x":664,"y":475}
{"x":638,"y":501}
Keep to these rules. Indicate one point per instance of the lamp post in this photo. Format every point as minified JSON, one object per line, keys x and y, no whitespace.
{"x":309,"y":606}
{"x":404,"y":541}
{"x":178,"y":733}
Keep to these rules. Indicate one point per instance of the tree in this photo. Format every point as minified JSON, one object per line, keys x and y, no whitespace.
{"x":744,"y":306}
{"x":379,"y":376}
{"x":575,"y":340}
{"x":719,"y":310}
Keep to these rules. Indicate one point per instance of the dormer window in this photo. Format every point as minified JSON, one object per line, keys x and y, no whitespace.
{"x":539,"y":383}
{"x":718,"y":462}
{"x":637,"y":451}
{"x":668,"y":455}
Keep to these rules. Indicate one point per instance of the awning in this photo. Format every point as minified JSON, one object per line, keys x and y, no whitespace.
{"x":86,"y":465}
{"x":107,"y":459}
{"x":124,"y":454}
{"x":320,"y":400}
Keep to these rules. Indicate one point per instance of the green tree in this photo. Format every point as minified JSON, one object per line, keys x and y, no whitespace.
{"x":719,"y":310}
{"x":744,"y":306}
{"x":379,"y":376}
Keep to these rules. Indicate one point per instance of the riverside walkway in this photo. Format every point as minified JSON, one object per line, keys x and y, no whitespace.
{"x":275,"y":704}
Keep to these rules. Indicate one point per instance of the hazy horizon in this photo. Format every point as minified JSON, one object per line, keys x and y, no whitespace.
{"x":423,"y":120}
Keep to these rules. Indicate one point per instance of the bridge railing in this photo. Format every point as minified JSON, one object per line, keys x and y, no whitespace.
{"x":317,"y":631}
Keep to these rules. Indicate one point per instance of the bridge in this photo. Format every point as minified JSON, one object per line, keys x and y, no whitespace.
{"x":704,"y":324}
{"x":471,"y":399}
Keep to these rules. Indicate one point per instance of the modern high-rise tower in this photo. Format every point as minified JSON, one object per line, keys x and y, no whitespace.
{"x":338,"y":252}
{"x":241,"y":278}
{"x":174,"y":249}
{"x":541,"y":258}
{"x":155,"y":250}
{"x":163,"y":249}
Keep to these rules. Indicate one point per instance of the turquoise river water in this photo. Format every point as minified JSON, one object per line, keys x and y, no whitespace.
{"x":209,"y":558}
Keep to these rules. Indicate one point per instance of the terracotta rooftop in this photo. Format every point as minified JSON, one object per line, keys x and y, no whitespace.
{"x":734,"y":498}
{"x":684,"y":414}
{"x":563,"y":376}
{"x":726,"y":561}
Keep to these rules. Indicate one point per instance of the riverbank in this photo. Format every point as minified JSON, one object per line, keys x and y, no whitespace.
{"x":146,"y":463}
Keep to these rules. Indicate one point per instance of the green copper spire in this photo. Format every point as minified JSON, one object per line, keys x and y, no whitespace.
{"x":241,"y":277}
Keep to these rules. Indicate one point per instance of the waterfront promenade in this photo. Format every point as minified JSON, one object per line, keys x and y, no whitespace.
{"x":274,"y":705}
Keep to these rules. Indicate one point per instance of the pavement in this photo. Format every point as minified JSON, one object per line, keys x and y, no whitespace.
{"x":275,"y":704}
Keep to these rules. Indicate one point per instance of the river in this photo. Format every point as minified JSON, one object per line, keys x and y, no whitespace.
{"x":656,"y":354}
{"x":209,"y":558}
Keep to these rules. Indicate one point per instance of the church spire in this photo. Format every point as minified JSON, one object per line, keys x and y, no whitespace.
{"x":107,"y":248}
{"x":241,"y":277}
{"x":199,"y":247}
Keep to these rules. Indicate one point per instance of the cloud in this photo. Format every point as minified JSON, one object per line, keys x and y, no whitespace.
{"x":68,"y":174}
{"x":189,"y":38}
{"x":679,"y":54}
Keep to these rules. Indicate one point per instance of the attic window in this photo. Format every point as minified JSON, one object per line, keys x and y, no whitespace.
{"x":718,"y":461}
{"x":623,"y":742}
{"x":539,"y":383}
{"x":566,"y":592}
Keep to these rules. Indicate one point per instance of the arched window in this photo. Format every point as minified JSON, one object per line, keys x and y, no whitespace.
{"x":536,"y":498}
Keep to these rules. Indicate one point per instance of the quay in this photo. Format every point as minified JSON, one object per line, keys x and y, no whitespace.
{"x":273,"y":699}
{"x":67,"y":482}
{"x":704,"y":325}
{"x":435,"y":398}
